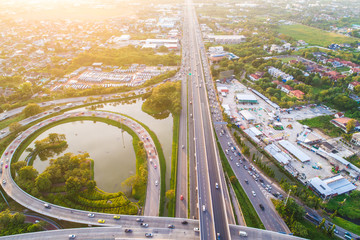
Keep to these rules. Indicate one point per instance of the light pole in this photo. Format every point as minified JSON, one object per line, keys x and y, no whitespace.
{"x":287,"y":197}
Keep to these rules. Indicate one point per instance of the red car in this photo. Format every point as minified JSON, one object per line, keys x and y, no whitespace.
{"x":181,"y":197}
{"x":155,"y":166}
{"x":6,"y":166}
{"x":6,"y":153}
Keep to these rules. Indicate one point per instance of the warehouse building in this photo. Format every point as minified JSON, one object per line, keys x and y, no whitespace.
{"x":279,"y":155}
{"x":247,"y":115}
{"x":294,"y":151}
{"x":330,"y":187}
{"x":246,"y":98}
{"x":227,"y":39}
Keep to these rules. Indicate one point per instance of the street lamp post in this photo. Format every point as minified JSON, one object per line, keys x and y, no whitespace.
{"x":287,"y":197}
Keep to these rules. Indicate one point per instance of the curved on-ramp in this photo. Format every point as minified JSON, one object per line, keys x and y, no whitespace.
{"x":79,"y":216}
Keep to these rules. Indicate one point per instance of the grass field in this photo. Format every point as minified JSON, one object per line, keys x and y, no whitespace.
{"x":352,"y":227}
{"x":314,"y":36}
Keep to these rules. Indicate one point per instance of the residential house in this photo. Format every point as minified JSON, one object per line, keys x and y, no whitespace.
{"x":286,"y":89}
{"x":342,"y":123}
{"x":297,"y":93}
{"x":352,"y":85}
{"x":339,"y":115}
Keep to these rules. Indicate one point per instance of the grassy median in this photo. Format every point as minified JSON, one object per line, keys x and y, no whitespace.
{"x":174,"y":163}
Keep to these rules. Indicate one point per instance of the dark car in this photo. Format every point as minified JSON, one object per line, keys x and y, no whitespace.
{"x":128,"y":230}
{"x":184,"y":222}
{"x":171,"y":226}
{"x":262,"y":207}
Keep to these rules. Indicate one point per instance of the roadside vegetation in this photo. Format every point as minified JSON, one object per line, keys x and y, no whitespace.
{"x":347,"y":206}
{"x":14,"y":223}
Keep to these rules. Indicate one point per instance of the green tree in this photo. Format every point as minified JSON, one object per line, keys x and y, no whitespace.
{"x":15,"y":127}
{"x":27,"y":173}
{"x":350,"y":125}
{"x":321,"y":224}
{"x":42,"y":182}
{"x":299,"y":230}
{"x":233,"y":179}
{"x":91,"y":184}
{"x":73,"y":185}
{"x":31,"y":109}
{"x":170,"y":194}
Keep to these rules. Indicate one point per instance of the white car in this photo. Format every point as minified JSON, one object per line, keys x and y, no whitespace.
{"x":216,"y":185}
{"x":253,"y":193}
{"x":91,"y":215}
{"x":156,"y":183}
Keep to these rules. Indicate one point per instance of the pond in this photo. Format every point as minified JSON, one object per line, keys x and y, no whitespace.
{"x":163,"y":128}
{"x":109,"y":147}
{"x":94,"y":138}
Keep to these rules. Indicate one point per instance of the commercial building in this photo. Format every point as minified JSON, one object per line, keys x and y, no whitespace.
{"x":356,"y":139}
{"x":227,"y":39}
{"x":247,"y":115}
{"x":155,"y":43}
{"x":246,"y":98}
{"x":330,"y":187}
{"x":279,"y":155}
{"x":294,"y":151}
{"x":254,"y":133}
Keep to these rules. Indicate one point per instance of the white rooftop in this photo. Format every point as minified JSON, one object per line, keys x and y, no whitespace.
{"x":279,"y":155}
{"x":246,"y":97}
{"x":247,"y":115}
{"x":333,"y":185}
{"x":294,"y":151}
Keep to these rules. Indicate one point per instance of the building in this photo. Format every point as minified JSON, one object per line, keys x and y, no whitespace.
{"x":297,"y":93}
{"x":161,"y":42}
{"x":254,"y":133}
{"x":247,"y":115}
{"x":278,"y":73}
{"x":246,"y":98}
{"x":279,"y":155}
{"x":256,"y":76}
{"x":223,"y":90}
{"x":216,"y":50}
{"x":227,"y":39}
{"x":330,"y":187}
{"x":294,"y":151}
{"x":356,"y":139}
{"x":286,"y":89}
{"x":342,"y":123}
{"x":352,"y":85}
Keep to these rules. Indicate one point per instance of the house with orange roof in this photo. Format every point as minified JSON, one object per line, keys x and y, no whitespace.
{"x":297,"y":93}
{"x":343,"y":122}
